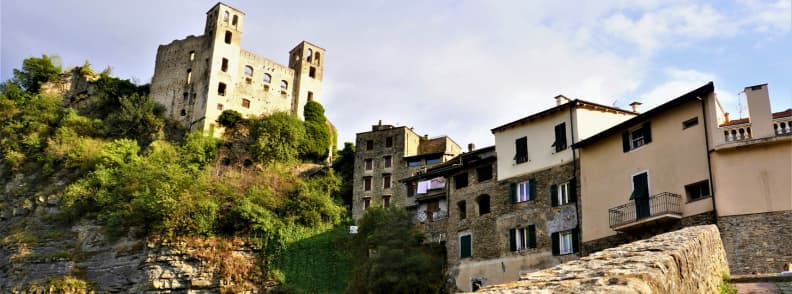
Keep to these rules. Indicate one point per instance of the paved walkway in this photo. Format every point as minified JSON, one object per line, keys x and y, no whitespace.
{"x":764,"y":288}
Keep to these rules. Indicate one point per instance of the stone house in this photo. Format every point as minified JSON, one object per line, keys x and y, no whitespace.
{"x":685,"y":163}
{"x":198,"y":77}
{"x":388,"y":153}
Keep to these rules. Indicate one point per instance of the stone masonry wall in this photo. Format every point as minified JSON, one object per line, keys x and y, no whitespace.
{"x":690,"y":260}
{"x":757,"y":242}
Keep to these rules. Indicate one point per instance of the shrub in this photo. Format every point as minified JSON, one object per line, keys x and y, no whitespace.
{"x":229,"y":118}
{"x":277,"y":138}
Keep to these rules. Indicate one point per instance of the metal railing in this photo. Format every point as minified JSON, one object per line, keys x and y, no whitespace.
{"x":658,"y":204}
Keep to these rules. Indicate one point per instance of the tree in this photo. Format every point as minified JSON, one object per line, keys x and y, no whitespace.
{"x":137,"y":118}
{"x":37,"y":71}
{"x":317,"y":143}
{"x":344,"y":166}
{"x":229,"y":118}
{"x":277,"y":138}
{"x":392,"y":258}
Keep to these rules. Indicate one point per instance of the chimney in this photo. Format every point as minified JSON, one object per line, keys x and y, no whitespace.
{"x":426,"y":136}
{"x":635,"y":106}
{"x":380,"y":123}
{"x":471,"y":147}
{"x":759,"y":114}
{"x":726,"y":117}
{"x":561,"y":99}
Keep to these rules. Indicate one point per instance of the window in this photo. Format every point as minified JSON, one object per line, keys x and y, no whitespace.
{"x":411,"y":189}
{"x":245,"y":103}
{"x":186,"y":96}
{"x":316,"y":57}
{"x":366,"y":202}
{"x":562,"y":194}
{"x":465,"y":246}
{"x":462,"y":206}
{"x":367,"y":184}
{"x":369,"y":163}
{"x":189,"y":76}
{"x":369,"y":144}
{"x":414,"y":163}
{"x":224,"y":65}
{"x":698,"y":190}
{"x":523,"y":191}
{"x":560,"y":137}
{"x":284,"y":85}
{"x":228,"y":37}
{"x":386,"y":201}
{"x":386,"y":181}
{"x":522,"y":238}
{"x":219,"y":106}
{"x":267,"y":78}
{"x":226,"y":15}
{"x":248,"y":70}
{"x":484,"y":173}
{"x":476,"y":284}
{"x":460,"y":181}
{"x":565,"y":242}
{"x":388,"y":142}
{"x":221,"y":89}
{"x":312,"y":72}
{"x":433,"y":160}
{"x":387,"y":161}
{"x":183,"y":112}
{"x":248,"y":81}
{"x":234,"y":20}
{"x":483,"y":204}
{"x":690,"y":123}
{"x":308,"y":54}
{"x":310,"y":96}
{"x":192,"y":55}
{"x":521,"y":150}
{"x":634,"y":138}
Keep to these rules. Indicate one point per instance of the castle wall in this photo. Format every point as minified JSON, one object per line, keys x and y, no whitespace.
{"x":184,"y":101}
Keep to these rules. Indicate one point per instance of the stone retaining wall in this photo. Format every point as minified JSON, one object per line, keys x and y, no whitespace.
{"x":691,"y":260}
{"x":757,"y":243}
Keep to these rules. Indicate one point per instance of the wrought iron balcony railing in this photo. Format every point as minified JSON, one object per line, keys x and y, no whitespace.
{"x":636,"y":210}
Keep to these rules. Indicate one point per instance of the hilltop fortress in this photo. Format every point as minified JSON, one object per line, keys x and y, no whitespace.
{"x":198,"y":77}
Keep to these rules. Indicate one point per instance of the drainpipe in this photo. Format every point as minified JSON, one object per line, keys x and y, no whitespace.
{"x":709,"y":162}
{"x":576,"y":177}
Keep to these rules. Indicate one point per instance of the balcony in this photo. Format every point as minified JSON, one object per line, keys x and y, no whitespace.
{"x":431,"y":216}
{"x":658,"y":208}
{"x":782,"y":125}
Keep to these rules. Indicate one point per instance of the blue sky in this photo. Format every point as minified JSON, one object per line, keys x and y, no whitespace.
{"x":456,"y":68}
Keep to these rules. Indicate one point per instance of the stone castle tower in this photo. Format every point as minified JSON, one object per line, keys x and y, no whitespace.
{"x":198,"y":77}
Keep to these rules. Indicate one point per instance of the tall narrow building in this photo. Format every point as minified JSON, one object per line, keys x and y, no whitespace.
{"x":198,"y":77}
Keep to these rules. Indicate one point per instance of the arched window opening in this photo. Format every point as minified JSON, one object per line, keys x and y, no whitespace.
{"x":248,"y":70}
{"x":316,"y":57}
{"x":225,"y":16}
{"x":189,"y":76}
{"x":221,"y":89}
{"x":308,"y":55}
{"x":284,"y":85}
{"x":228,"y":37}
{"x":183,"y":112}
{"x":462,"y":209}
{"x":483,"y":204}
{"x":235,"y":20}
{"x":267,"y":78}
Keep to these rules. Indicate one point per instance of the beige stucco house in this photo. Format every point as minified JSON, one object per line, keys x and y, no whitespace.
{"x":685,"y":163}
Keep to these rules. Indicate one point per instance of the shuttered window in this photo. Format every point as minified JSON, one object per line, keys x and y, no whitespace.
{"x":560,"y":137}
{"x":522,"y":238}
{"x":637,"y":137}
{"x":465,"y":246}
{"x":521,"y":150}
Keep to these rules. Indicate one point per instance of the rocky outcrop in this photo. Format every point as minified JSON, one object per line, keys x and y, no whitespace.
{"x":691,"y":260}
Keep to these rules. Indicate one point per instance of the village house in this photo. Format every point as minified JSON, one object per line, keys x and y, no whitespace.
{"x":388,"y":153}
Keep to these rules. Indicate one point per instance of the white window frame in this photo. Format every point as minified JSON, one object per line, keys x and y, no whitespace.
{"x":565,"y":243}
{"x":563,"y":193}
{"x":523,"y":191}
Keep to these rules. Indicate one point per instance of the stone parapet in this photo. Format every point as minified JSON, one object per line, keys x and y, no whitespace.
{"x":690,"y":260}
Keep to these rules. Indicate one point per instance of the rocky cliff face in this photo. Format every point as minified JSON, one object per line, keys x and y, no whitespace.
{"x":40,"y":254}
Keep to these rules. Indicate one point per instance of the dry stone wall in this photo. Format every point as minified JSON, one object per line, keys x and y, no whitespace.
{"x":690,"y":260}
{"x":757,"y":243}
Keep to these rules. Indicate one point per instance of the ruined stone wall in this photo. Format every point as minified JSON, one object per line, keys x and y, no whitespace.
{"x":265,"y":97}
{"x":691,"y":260}
{"x":757,"y":243}
{"x":646,"y":232}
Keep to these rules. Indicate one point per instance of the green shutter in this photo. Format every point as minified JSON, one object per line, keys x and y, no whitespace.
{"x":513,"y":192}
{"x":464,"y":244}
{"x":555,"y":243}
{"x":532,"y":236}
{"x":512,"y":240}
{"x":553,"y":195}
{"x":626,"y":141}
{"x":532,"y":189}
{"x":647,"y":131}
{"x":575,"y":240}
{"x":573,"y":190}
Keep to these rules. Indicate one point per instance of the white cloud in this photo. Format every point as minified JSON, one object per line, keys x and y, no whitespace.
{"x":677,"y":82}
